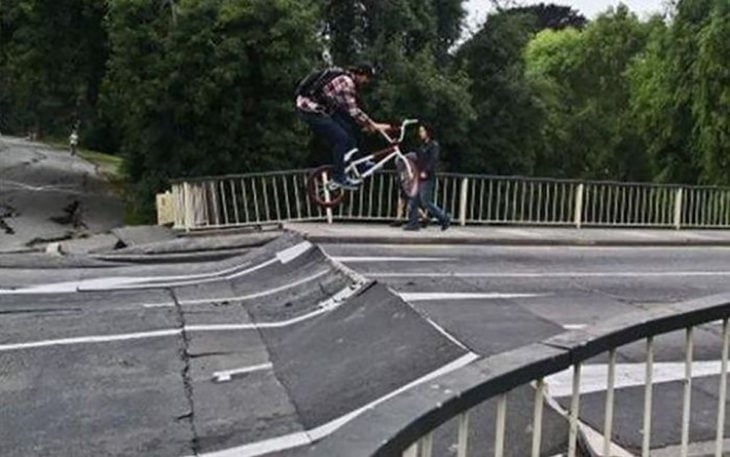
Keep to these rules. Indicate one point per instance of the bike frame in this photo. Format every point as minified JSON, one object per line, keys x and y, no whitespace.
{"x":391,"y":152}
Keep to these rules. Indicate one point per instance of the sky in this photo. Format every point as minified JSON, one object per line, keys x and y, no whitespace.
{"x":477,"y":9}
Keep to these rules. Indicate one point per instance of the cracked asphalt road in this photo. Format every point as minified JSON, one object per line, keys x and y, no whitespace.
{"x":48,"y":195}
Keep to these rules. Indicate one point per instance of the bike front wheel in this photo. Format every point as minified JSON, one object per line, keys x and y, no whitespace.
{"x":319,"y":190}
{"x":407,"y":176}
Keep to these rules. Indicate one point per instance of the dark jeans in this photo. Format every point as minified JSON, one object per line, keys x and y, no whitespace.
{"x":339,"y":131}
{"x":424,"y":199}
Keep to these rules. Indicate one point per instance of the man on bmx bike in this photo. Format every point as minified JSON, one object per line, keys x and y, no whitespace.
{"x":327,"y":102}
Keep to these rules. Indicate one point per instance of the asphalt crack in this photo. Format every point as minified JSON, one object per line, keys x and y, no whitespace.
{"x":185,"y":374}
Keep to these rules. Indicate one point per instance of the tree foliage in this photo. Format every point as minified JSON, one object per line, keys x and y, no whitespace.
{"x":200,"y":87}
{"x":52,"y":62}
{"x":210,"y":91}
{"x":587,"y":130}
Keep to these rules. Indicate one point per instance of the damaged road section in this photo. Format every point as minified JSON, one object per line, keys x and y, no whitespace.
{"x":258,"y":353}
{"x":49,"y":195}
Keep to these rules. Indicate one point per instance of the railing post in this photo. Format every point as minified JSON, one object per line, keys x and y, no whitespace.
{"x":463,"y":201}
{"x":411,"y":451}
{"x":678,"y":208}
{"x":187,"y":203}
{"x":327,"y":197}
{"x":574,"y":411}
{"x":646,"y":429}
{"x":578,"y":214}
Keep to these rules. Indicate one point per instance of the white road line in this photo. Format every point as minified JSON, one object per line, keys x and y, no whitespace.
{"x":287,"y":255}
{"x":330,"y":304}
{"x":392,"y":259}
{"x":429,"y":296}
{"x":264,"y":293}
{"x":307,"y":437}
{"x":133,"y":282}
{"x":574,"y":326}
{"x":226,"y":375}
{"x":593,"y":377}
{"x":90,"y":339}
{"x":574,"y":274}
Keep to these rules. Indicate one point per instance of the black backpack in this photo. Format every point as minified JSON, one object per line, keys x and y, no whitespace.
{"x":311,"y":86}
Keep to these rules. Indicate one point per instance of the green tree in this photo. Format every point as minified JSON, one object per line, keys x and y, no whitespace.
{"x":501,"y":138}
{"x":711,"y":101}
{"x":552,"y":16}
{"x":588,"y":130}
{"x":210,"y":90}
{"x":52,"y":62}
{"x":680,"y":95}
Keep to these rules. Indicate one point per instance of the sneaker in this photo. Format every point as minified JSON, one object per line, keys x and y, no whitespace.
{"x":342,"y":183}
{"x":365,"y":166}
{"x":446,"y":222}
{"x":411,"y":228}
{"x":396,"y":223}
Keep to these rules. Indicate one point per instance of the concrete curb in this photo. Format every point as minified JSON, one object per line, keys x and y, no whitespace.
{"x":171,"y":257}
{"x":510,"y":241}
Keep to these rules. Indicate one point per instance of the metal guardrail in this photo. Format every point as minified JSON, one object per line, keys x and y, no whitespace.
{"x":405,"y":426}
{"x":262,"y":198}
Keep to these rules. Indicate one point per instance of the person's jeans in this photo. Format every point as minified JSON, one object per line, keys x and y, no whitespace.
{"x":339,"y":131}
{"x":424,"y":199}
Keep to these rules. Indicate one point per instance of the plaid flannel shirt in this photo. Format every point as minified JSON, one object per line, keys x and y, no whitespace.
{"x":342,"y":92}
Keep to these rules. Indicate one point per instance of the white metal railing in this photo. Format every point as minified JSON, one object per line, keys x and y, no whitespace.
{"x":423,"y":419}
{"x":262,"y":198}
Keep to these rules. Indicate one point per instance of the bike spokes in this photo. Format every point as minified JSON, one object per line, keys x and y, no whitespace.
{"x":321,"y":189}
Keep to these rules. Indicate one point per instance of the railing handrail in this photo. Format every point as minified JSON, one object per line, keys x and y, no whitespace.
{"x":264,"y":174}
{"x":389,"y":428}
{"x":274,"y":197}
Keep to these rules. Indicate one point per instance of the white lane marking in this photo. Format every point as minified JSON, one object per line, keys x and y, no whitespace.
{"x":90,"y":339}
{"x":132,"y":282}
{"x":287,"y":255}
{"x":429,"y":296}
{"x":574,"y":274}
{"x":574,"y":326}
{"x":392,"y":259}
{"x":263,"y":293}
{"x":307,"y":437}
{"x":593,"y":377}
{"x":68,"y":188}
{"x":226,"y":375}
{"x":328,"y":305}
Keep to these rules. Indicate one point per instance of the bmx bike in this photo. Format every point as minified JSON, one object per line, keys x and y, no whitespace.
{"x":325,"y":193}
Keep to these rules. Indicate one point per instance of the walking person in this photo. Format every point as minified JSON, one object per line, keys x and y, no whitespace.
{"x":73,"y":141}
{"x":427,"y":156}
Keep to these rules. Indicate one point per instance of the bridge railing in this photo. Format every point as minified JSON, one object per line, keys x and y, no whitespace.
{"x":407,"y":424}
{"x":263,"y":198}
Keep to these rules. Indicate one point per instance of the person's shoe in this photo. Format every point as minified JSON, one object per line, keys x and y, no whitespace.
{"x":425,"y":222}
{"x":446,"y":222}
{"x":342,"y":183}
{"x":396,"y":223}
{"x":365,"y":166}
{"x":411,"y":228}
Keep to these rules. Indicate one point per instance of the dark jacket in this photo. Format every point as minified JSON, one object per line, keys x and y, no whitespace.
{"x":427,"y":158}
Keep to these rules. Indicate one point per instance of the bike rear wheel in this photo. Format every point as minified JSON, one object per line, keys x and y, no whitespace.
{"x":318,"y":190}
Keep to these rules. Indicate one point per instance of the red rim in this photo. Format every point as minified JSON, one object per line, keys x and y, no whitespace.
{"x":408,"y":184}
{"x":316,"y":189}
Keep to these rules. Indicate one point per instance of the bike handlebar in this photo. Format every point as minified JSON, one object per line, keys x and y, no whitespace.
{"x":403,"y":125}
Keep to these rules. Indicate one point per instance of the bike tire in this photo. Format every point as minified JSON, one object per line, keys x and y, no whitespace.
{"x":409,"y":184}
{"x":316,"y":188}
